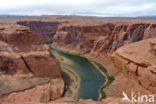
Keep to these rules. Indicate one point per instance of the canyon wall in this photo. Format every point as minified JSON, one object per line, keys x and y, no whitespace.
{"x":103,"y":38}
{"x":46,"y":30}
{"x":98,"y":38}
{"x":29,"y":72}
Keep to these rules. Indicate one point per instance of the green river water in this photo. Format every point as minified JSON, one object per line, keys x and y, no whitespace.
{"x":91,"y":78}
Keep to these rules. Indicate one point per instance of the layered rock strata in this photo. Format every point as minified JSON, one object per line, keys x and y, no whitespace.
{"x":27,"y":67}
{"x":103,"y":38}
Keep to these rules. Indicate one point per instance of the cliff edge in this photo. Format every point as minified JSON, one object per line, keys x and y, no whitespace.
{"x":138,"y":60}
{"x":29,"y":72}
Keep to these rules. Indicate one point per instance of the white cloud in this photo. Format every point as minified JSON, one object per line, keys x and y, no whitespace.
{"x":83,"y":7}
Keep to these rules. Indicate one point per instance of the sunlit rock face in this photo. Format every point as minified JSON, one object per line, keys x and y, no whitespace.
{"x":138,"y":60}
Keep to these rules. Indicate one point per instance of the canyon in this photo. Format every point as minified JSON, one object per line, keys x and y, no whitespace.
{"x":126,"y":48}
{"x":102,"y":42}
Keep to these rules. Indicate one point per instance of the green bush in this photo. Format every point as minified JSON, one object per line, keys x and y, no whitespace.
{"x":103,"y":95}
{"x":61,"y":59}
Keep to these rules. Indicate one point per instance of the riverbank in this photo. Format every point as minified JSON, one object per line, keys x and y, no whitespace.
{"x":71,"y":79}
{"x":102,"y":70}
{"x":72,"y":83}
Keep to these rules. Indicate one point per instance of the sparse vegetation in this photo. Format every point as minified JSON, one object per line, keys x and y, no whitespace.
{"x":61,"y":59}
{"x":110,"y":79}
{"x":103,"y":95}
{"x":72,"y":82}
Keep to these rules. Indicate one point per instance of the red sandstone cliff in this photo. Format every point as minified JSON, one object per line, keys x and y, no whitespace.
{"x":103,"y":38}
{"x":139,"y":61}
{"x":29,"y":72}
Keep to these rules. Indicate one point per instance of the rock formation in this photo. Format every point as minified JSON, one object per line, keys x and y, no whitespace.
{"x":46,"y":30}
{"x":28,"y":70}
{"x":85,"y":38}
{"x":103,"y":38}
{"x":138,"y":61}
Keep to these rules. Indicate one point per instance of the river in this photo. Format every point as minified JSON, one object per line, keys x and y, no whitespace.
{"x":91,"y":79}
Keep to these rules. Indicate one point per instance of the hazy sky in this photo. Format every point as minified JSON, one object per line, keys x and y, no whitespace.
{"x":79,"y":7}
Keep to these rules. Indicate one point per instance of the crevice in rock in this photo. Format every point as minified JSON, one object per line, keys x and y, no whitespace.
{"x":153,"y":72}
{"x":27,"y":66}
{"x":137,"y":71}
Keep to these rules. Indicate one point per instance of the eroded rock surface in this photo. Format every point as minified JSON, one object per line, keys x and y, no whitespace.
{"x":138,"y":60}
{"x":40,"y":93}
{"x":23,"y":49}
{"x":103,"y":38}
{"x":29,"y":72}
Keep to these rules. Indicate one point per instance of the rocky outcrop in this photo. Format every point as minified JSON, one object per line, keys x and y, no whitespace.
{"x":27,"y":67}
{"x":46,"y":30}
{"x":21,"y":49}
{"x":138,"y":61}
